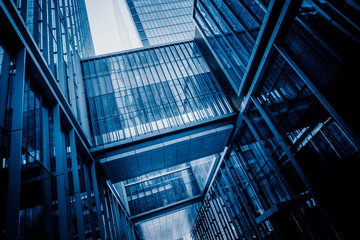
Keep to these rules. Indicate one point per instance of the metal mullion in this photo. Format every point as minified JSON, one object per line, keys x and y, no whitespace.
{"x":91,"y":120}
{"x":317,"y":93}
{"x":202,"y":223}
{"x":221,"y":209}
{"x":205,"y":229}
{"x":208,"y":223}
{"x":206,"y":96}
{"x":170,"y":89}
{"x":292,"y":160}
{"x":233,"y":197}
{"x":236,"y":205}
{"x":232,"y":29}
{"x":95,"y":77}
{"x":185,"y":83}
{"x":76,"y":184}
{"x":110,"y":107}
{"x":156,"y":88}
{"x":191,"y":76}
{"x":132,"y":86}
{"x":197,"y":226}
{"x":76,"y":22}
{"x":250,"y":178}
{"x":151,"y":91}
{"x":170,"y":62}
{"x":51,"y":38}
{"x":216,"y":39}
{"x":207,"y":220}
{"x":112,"y":213}
{"x":216,"y":219}
{"x":224,"y":37}
{"x":190,"y":79}
{"x":241,"y":193}
{"x":152,"y":130}
{"x":165,"y":94}
{"x":211,"y":218}
{"x":107,"y":130}
{"x":248,"y":10}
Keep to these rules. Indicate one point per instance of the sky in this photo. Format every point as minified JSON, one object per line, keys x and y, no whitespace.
{"x":111,"y":25}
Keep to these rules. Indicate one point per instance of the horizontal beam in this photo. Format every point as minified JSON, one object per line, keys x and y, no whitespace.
{"x":143,"y":217}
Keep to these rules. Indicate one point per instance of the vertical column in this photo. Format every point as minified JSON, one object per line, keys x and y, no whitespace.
{"x":76,"y":183}
{"x":89,"y":198}
{"x":105,"y":209}
{"x":97,"y":200}
{"x":111,"y":215}
{"x":61,"y":75}
{"x":4,"y":81}
{"x":60,"y":159}
{"x":13,"y":201}
{"x":113,"y":209}
{"x":45,"y":156}
{"x":45,"y":30}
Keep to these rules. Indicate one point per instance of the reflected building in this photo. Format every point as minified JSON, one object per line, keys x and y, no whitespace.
{"x":240,"y":133}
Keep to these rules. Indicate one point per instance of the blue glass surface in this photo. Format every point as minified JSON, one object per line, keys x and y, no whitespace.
{"x":141,"y":92}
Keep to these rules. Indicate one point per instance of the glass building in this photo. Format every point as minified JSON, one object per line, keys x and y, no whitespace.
{"x":247,"y":131}
{"x":153,"y":90}
{"x":289,"y":169}
{"x":50,"y":185}
{"x":160,"y":22}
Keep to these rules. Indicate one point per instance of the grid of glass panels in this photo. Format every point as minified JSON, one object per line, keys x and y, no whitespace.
{"x":31,"y":125}
{"x":160,"y":188}
{"x":231,"y":28}
{"x":159,"y":191}
{"x":175,"y":225}
{"x":140,"y":92}
{"x":161,"y":22}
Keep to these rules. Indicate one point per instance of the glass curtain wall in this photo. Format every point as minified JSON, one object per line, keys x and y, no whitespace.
{"x":160,"y":191}
{"x":290,"y":170}
{"x":231,"y":29}
{"x":7,"y":72}
{"x":61,"y":32}
{"x":147,"y":91}
{"x":160,"y":22}
{"x":165,"y":187}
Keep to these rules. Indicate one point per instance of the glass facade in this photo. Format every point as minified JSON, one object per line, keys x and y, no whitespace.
{"x":161,"y":22}
{"x":284,"y":165}
{"x":231,"y":29}
{"x":61,"y":32}
{"x":161,"y":188}
{"x":290,"y":161}
{"x":149,"y":91}
{"x":49,"y":20}
{"x":49,"y":186}
{"x":174,"y":225}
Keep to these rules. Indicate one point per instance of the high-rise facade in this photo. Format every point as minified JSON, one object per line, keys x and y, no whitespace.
{"x":160,"y":22}
{"x":249,"y":131}
{"x":289,"y":170}
{"x":50,"y":186}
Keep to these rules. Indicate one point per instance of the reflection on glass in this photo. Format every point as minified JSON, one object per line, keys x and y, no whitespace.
{"x":153,"y":89}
